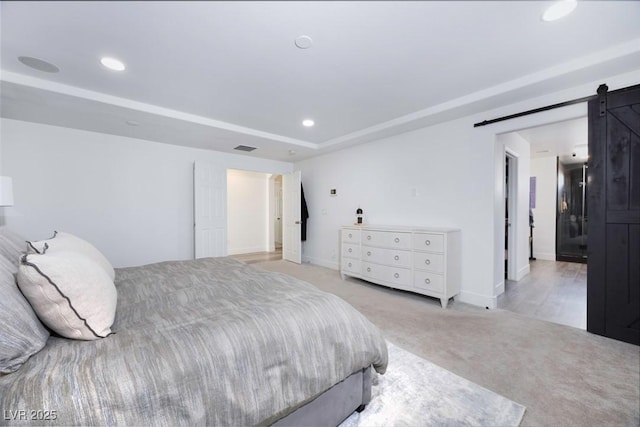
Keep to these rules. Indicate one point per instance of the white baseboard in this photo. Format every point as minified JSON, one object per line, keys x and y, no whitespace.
{"x":333,"y":265}
{"x":523,"y":272}
{"x":463,"y":296}
{"x":499,"y":288}
{"x":477,"y":299}
{"x":547,"y":256}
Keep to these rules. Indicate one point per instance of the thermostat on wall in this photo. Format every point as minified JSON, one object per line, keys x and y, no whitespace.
{"x":333,"y":192}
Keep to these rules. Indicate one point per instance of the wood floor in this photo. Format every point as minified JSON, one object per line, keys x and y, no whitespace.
{"x":252,"y":258}
{"x":553,"y":291}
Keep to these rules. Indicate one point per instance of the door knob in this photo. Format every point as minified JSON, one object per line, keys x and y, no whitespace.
{"x":298,"y":222}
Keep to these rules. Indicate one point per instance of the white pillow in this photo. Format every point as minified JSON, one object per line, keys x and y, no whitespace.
{"x":70,"y":293}
{"x":68,"y":242}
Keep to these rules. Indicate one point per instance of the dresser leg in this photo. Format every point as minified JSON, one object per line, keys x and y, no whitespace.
{"x":444,"y":302}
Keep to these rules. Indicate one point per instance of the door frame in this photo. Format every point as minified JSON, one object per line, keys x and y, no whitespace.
{"x":493,"y":133}
{"x":511,"y":188}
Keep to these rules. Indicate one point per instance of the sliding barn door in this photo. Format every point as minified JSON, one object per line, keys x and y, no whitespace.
{"x":613,"y":277}
{"x":210,"y":210}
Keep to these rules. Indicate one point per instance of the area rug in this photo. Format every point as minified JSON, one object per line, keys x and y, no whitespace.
{"x":415,"y":392}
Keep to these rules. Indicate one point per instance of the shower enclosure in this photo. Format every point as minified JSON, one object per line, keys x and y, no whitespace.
{"x":572,"y":213}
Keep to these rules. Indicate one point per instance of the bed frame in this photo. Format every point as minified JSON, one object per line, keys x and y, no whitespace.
{"x":334,"y":405}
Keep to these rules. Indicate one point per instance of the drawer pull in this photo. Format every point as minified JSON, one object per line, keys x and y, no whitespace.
{"x":427,"y":261}
{"x":427,"y":242}
{"x":369,"y":237}
{"x":397,"y":276}
{"x":368,"y":253}
{"x":396,"y":257}
{"x":349,"y":264}
{"x":369,"y":269}
{"x":427,"y":280}
{"x":397,"y":240}
{"x":350,"y":250}
{"x":350,"y":235}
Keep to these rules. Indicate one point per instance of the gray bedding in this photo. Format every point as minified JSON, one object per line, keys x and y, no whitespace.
{"x":212,"y":341}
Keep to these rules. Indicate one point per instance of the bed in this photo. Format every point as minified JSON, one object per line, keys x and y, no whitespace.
{"x":201,"y":342}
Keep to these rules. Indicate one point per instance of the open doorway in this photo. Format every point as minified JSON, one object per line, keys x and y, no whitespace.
{"x":554,"y":290}
{"x":264,"y":216}
{"x":254,"y":206}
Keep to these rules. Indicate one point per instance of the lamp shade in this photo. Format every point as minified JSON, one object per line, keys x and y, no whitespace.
{"x":6,"y":191}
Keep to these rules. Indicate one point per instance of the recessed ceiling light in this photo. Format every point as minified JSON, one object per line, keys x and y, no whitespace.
{"x":303,"y":42}
{"x":112,"y":63}
{"x":132,"y":123}
{"x":308,"y":123}
{"x":38,"y":64}
{"x":559,"y":9}
{"x":292,"y":152}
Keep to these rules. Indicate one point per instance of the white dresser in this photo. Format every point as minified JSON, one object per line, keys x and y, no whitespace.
{"x":416,"y":259}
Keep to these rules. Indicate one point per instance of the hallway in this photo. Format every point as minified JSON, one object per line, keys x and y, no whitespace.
{"x":255,"y":257}
{"x":553,"y":290}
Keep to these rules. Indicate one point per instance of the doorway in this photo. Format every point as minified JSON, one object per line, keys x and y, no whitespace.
{"x":572,"y":212}
{"x":554,"y":291}
{"x":252,"y":212}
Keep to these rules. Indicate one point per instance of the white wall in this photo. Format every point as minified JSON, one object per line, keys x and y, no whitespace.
{"x":129,"y":196}
{"x":457,"y":173}
{"x":247,"y":211}
{"x":132,"y":198}
{"x":520,"y":149}
{"x":544,"y":214}
{"x":451,"y":171}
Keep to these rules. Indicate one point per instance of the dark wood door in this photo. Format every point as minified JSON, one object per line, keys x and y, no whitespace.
{"x":613,"y":277}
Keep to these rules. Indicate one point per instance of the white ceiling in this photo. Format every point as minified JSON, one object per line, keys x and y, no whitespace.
{"x":217,"y":74}
{"x":567,"y":140}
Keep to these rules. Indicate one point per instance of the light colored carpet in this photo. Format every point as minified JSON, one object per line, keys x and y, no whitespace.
{"x":563,"y":375}
{"x":415,"y":392}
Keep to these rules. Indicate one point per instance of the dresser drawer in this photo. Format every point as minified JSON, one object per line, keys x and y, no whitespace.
{"x":427,"y":281}
{"x":390,"y":239}
{"x":428,"y":261}
{"x":351,"y":265}
{"x":394,"y":275}
{"x":393,"y":257}
{"x":350,"y":251}
{"x":428,"y":242}
{"x":351,"y":236}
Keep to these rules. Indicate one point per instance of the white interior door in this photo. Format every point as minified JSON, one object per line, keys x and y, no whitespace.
{"x":210,"y":210}
{"x":291,"y":217}
{"x":512,"y":221}
{"x":278,"y":212}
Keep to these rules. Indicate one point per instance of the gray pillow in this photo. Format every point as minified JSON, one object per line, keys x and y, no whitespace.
{"x":12,"y":245}
{"x":7,"y":265}
{"x":12,"y":236}
{"x":21,"y":335}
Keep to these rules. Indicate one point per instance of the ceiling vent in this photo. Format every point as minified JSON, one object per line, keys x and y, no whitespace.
{"x":244,"y":148}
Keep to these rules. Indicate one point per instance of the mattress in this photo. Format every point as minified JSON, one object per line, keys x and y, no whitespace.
{"x":211,"y":341}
